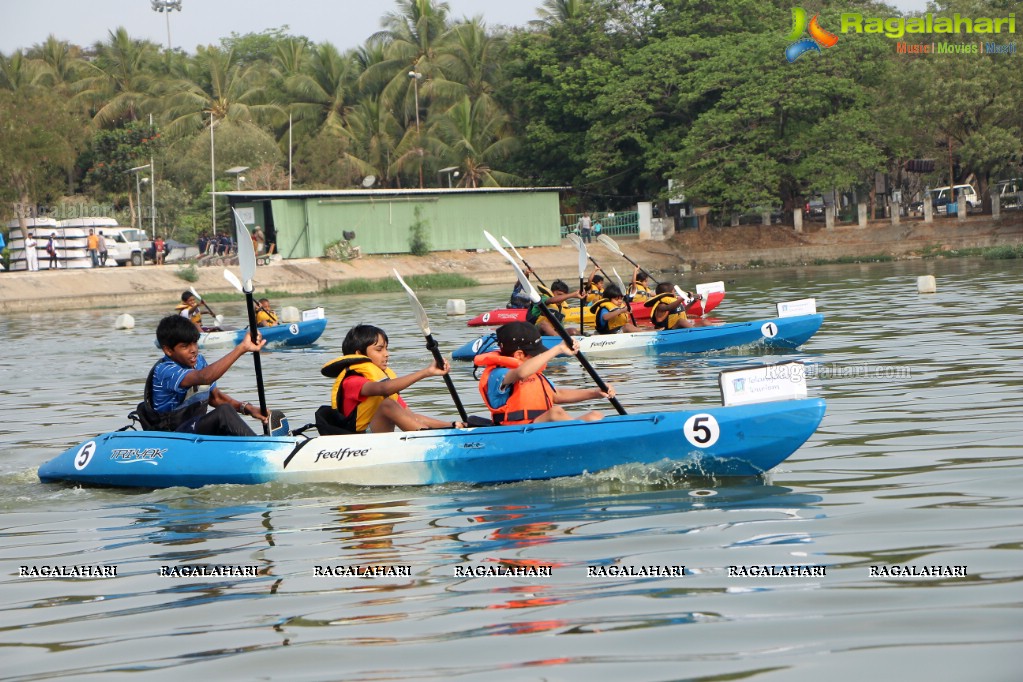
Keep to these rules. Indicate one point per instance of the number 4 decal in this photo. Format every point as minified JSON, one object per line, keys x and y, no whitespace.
{"x":702,"y":430}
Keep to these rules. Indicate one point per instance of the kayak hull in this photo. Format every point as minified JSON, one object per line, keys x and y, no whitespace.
{"x":743,"y":440}
{"x":780,"y":332}
{"x":499,"y":316}
{"x":288,"y":334}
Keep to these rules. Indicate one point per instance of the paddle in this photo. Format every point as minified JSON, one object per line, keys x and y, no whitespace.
{"x":612,"y":246}
{"x":628,"y":299}
{"x":247,"y":265}
{"x":431,"y":344}
{"x":578,"y":242}
{"x":519,"y":256}
{"x":218,"y":318}
{"x":534,"y":296}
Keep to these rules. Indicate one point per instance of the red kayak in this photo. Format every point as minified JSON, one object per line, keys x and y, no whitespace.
{"x":499,"y":316}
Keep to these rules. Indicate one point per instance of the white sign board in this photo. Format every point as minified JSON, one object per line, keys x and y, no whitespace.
{"x":710,"y":288}
{"x":767,"y":383}
{"x":804,"y":306}
{"x":248,"y":215}
{"x":312,"y":314}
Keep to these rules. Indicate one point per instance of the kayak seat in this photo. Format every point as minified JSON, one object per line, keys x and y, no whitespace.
{"x":328,"y":422}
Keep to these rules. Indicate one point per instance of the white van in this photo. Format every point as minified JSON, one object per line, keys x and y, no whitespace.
{"x":125,"y":245}
{"x":940,"y":197}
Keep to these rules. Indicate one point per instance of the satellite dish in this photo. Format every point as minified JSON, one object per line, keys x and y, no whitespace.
{"x":368,"y":181}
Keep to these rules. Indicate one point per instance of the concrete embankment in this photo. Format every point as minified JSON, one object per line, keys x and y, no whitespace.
{"x":700,"y":250}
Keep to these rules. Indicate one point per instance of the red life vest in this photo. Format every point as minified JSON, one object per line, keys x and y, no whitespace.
{"x":529,"y":398}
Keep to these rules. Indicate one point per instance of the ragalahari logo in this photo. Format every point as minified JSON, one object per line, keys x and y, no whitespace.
{"x":818,"y":36}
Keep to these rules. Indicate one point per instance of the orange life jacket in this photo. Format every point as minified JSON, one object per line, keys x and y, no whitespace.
{"x":194,"y":314}
{"x":529,"y":398}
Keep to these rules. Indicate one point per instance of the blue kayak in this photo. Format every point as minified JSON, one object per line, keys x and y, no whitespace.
{"x":286,"y":334}
{"x":777,"y":332}
{"x":743,"y":440}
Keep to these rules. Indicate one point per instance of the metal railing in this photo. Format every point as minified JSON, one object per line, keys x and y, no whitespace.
{"x":613,"y":224}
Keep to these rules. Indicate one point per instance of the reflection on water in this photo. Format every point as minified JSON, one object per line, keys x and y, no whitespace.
{"x":917,"y":462}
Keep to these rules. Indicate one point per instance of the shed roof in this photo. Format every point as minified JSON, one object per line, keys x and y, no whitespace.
{"x":383,"y":193}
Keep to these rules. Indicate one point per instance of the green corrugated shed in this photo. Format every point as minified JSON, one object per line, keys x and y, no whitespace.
{"x":306,"y":221}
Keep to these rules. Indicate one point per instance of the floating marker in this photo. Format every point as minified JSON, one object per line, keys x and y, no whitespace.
{"x":456,"y":306}
{"x":925,"y":284}
{"x":124,"y":321}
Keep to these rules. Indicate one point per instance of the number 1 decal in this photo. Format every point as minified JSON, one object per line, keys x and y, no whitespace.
{"x":769,"y":330}
{"x":702,"y":430}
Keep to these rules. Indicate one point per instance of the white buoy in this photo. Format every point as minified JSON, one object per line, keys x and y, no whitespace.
{"x":289,"y":314}
{"x":925,"y":284}
{"x":456,"y":306}
{"x":124,"y":321}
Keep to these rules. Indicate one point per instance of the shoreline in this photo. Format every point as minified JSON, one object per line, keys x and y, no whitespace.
{"x":706,"y":251}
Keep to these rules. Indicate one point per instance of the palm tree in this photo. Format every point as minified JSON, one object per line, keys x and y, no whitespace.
{"x":61,"y":62}
{"x":555,"y":12}
{"x":324,"y":90}
{"x":19,"y":73}
{"x":471,"y":62}
{"x":476,"y":138}
{"x":118,"y":84}
{"x":374,"y":134}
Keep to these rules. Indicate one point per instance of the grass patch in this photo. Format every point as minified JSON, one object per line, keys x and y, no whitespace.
{"x":843,"y":260}
{"x":389,"y":284}
{"x":1003,"y":252}
{"x":188,"y":273}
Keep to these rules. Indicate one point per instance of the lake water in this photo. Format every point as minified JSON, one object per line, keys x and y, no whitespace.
{"x":917,"y":463}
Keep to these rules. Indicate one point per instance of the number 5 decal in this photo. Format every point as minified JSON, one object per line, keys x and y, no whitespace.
{"x":702,"y":430}
{"x":84,"y":455}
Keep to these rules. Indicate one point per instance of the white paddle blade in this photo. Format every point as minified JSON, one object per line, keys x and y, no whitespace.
{"x":583,"y":256}
{"x":417,"y":307}
{"x":686,"y":298}
{"x":219,"y":319}
{"x":619,"y":278}
{"x":246,"y":253}
{"x":534,"y":295}
{"x":195,"y":293}
{"x":233,"y":279}
{"x":610,"y":244}
{"x":514,"y":250}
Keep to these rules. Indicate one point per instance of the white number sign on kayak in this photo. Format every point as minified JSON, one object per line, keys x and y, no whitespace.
{"x":769,"y":330}
{"x":804,"y":306}
{"x":766,"y":383}
{"x":84,"y":455}
{"x":710,"y":288}
{"x":702,"y":430}
{"x":293,"y":328}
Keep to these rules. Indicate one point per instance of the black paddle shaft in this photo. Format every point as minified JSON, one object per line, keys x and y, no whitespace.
{"x":434,"y":347}
{"x":560,"y":328}
{"x":635,"y":264}
{"x":257,"y":361}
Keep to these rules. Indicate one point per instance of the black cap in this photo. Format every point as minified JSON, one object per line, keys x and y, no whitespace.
{"x":520,"y":336}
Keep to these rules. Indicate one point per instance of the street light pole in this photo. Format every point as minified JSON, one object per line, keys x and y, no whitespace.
{"x":167,"y":6}
{"x":138,"y":193}
{"x":416,"y":77}
{"x":213,"y":177}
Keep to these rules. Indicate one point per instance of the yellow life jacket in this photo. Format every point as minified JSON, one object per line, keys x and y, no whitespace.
{"x":642,"y":292}
{"x":358,"y":419}
{"x":194,"y":314}
{"x":265,"y":318}
{"x":668,"y":309}
{"x":608,"y":325}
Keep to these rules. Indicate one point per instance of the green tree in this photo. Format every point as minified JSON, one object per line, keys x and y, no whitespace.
{"x":118,"y":84}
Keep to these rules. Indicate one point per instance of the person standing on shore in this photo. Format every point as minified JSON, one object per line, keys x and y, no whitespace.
{"x":158,"y":250}
{"x":92,"y":245}
{"x":51,"y":251}
{"x":102,"y":249}
{"x":585,"y":227}
{"x":31,"y":255}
